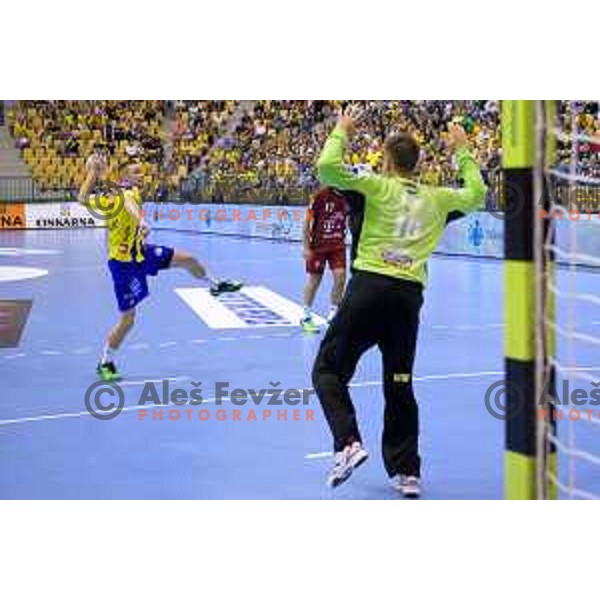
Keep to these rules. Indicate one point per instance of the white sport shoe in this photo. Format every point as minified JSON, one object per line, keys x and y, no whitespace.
{"x":346,"y":461}
{"x":408,"y":485}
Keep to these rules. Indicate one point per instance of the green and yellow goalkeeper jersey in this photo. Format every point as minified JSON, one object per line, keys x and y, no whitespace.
{"x":403,"y":219}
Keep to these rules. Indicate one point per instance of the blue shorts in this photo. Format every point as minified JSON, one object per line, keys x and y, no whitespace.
{"x":130,"y":278}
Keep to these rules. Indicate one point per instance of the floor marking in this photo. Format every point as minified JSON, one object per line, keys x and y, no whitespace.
{"x":83,"y":413}
{"x":253,"y":306}
{"x":47,"y":418}
{"x":140,"y":346}
{"x":467,"y":327}
{"x":13,"y":356}
{"x":314,"y":455}
{"x":85,"y":350}
{"x":145,"y":381}
{"x":4,"y":251}
{"x":241,"y":338}
{"x":209,"y":309}
{"x":167,"y":345}
{"x":286,"y":308}
{"x":19,"y":273}
{"x":213,"y":400}
{"x":147,"y":346}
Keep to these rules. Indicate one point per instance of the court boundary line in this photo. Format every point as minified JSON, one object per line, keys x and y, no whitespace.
{"x":358,"y":384}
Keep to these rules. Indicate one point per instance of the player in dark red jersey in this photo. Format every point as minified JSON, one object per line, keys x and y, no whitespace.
{"x":324,"y":243}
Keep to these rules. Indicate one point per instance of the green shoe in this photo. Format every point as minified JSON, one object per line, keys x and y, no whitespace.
{"x":309,"y":325}
{"x":108,"y":372}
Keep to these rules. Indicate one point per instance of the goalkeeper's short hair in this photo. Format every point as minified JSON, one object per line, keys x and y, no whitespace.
{"x":403,"y":150}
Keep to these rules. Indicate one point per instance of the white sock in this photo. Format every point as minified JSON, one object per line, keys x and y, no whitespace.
{"x":108,"y":354}
{"x":307,"y":312}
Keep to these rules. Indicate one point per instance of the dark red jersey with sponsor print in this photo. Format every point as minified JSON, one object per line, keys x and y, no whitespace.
{"x":328,"y":214}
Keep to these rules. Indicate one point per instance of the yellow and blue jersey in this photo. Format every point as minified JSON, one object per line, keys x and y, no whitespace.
{"x":125,"y":239}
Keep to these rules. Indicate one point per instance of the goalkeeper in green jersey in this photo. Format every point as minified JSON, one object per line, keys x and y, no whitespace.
{"x":403,"y":223}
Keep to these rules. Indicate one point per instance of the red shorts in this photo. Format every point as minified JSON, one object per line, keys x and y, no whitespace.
{"x":336,"y":258}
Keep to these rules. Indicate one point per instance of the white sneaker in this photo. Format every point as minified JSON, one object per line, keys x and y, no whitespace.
{"x":408,"y":485}
{"x":346,"y":461}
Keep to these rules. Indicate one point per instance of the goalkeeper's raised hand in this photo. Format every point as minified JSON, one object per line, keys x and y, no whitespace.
{"x":457,"y":137}
{"x":349,"y":118}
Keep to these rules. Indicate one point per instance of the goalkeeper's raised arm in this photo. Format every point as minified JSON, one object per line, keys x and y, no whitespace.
{"x":330,"y":166}
{"x":471,"y":196}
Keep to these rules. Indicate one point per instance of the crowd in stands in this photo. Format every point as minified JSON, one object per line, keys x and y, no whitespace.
{"x":264,"y":145}
{"x":274,"y":144}
{"x":56,"y":137}
{"x":196,"y":130}
{"x":582,"y":119}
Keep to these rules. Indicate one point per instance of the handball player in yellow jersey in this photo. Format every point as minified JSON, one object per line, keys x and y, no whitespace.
{"x":130,"y":258}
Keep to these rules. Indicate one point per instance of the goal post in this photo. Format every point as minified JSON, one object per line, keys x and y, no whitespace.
{"x":526,"y":305}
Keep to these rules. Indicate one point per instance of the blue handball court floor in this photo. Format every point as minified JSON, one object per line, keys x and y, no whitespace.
{"x":50,"y":446}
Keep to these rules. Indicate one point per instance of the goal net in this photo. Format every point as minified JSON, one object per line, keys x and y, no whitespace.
{"x":567,"y":299}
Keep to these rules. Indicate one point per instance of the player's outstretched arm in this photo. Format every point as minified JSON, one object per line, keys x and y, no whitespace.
{"x":471,"y":196}
{"x":330,"y":166}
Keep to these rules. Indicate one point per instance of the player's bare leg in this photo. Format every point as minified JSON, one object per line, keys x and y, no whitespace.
{"x":107,"y":368}
{"x":310,"y":291}
{"x":118,"y":333}
{"x":184,"y":260}
{"x":337,"y":291}
{"x":190,"y":263}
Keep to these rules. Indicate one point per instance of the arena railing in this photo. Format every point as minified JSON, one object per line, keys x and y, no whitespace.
{"x":16,"y":189}
{"x":26,"y":190}
{"x":230,"y":190}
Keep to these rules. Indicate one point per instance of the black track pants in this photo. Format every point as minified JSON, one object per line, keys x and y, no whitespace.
{"x":382,"y":311}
